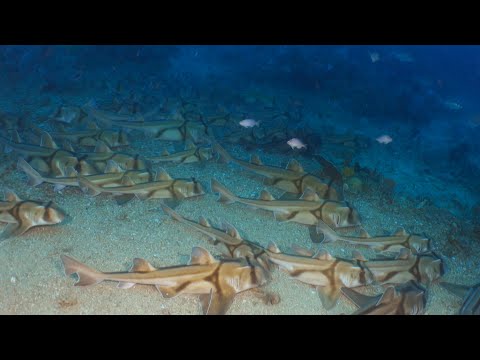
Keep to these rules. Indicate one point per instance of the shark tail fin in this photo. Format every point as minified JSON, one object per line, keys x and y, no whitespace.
{"x":169,"y":211}
{"x":88,"y":187}
{"x":34,"y":178}
{"x":86,"y":275}
{"x":226,"y":196}
{"x":223,"y":155}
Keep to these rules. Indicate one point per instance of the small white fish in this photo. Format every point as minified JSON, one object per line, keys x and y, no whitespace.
{"x":249,"y":123}
{"x":374,"y":56}
{"x":451,"y":105}
{"x":296,"y":143}
{"x":384,"y":139}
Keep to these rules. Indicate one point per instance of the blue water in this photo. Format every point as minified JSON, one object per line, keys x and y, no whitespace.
{"x":425,"y":98}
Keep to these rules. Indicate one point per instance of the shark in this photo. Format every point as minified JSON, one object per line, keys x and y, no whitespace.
{"x":322,"y":270}
{"x":292,"y":179}
{"x":164,"y":187}
{"x":229,"y":240}
{"x":469,"y":294}
{"x":389,"y":243}
{"x":22,"y":215}
{"x":113,"y":176}
{"x":103,"y":153}
{"x":89,"y":137}
{"x":404,"y":299}
{"x":191,"y":154}
{"x":307,"y":210}
{"x":216,"y":282}
{"x":423,"y":268}
{"x":46,"y":157}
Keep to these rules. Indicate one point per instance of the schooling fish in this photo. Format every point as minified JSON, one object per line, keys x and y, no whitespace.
{"x":249,"y":123}
{"x":384,"y":139}
{"x":296,"y":143}
{"x":293,"y":179}
{"x":399,"y":240}
{"x":469,"y":294}
{"x":322,"y":270}
{"x":216,"y":282}
{"x":22,"y":215}
{"x":307,"y":210}
{"x":405,"y":299}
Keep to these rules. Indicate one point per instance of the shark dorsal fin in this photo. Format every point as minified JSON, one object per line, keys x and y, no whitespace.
{"x":86,"y":168}
{"x":141,"y":265}
{"x":233,"y":232}
{"x":47,"y":141}
{"x":294,"y":165}
{"x":162,"y":175}
{"x":300,"y":250}
{"x":101,"y":147}
{"x":400,"y":232}
{"x":265,"y":195}
{"x":364,"y":234}
{"x":323,"y":255}
{"x":68,"y":146}
{"x":165,"y":152}
{"x":92,"y":125}
{"x":388,"y":296}
{"x":204,"y":222}
{"x":11,"y":196}
{"x":112,"y":167}
{"x":404,"y":254}
{"x":255,"y":159}
{"x":16,"y":137}
{"x":272,"y":247}
{"x":310,"y":195}
{"x":127,"y":181}
{"x":70,"y":172}
{"x":357,"y":255}
{"x":189,"y":144}
{"x":200,"y":256}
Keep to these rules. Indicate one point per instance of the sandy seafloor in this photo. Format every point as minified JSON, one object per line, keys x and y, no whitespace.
{"x":108,"y":237}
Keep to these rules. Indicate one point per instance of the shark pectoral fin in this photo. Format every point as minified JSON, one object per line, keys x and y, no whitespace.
{"x":142,"y":196}
{"x":217,"y":303}
{"x":282,"y":216}
{"x":125,"y":285}
{"x":316,"y":237}
{"x":328,"y":295}
{"x":459,"y":290}
{"x":13,"y":229}
{"x":360,"y":300}
{"x":268,"y":181}
{"x":59,"y":187}
{"x":124,"y":198}
{"x":167,"y":291}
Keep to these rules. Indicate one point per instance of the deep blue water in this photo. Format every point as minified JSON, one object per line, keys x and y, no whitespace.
{"x":408,"y":93}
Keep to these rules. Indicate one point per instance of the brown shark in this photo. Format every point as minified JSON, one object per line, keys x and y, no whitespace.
{"x":229,"y":240}
{"x":112,"y":176}
{"x":46,"y":158}
{"x":191,"y":154}
{"x":216,"y":282}
{"x":423,"y":268}
{"x":399,"y":240}
{"x":89,"y":137}
{"x":163,"y":188}
{"x":293,"y":179}
{"x":322,"y":270}
{"x":405,"y":299}
{"x":23,"y":215}
{"x":469,"y":294}
{"x":307,"y":210}
{"x":102,"y":154}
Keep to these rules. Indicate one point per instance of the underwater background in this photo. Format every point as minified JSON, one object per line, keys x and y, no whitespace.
{"x":400,"y":124}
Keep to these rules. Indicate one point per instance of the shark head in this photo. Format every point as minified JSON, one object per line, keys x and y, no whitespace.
{"x":431,"y":268}
{"x":48,"y":214}
{"x":419,"y":244}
